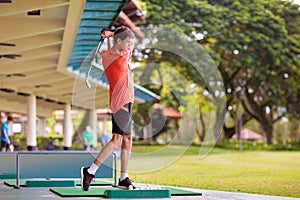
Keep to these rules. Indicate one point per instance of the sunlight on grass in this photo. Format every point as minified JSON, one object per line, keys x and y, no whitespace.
{"x":261,"y":172}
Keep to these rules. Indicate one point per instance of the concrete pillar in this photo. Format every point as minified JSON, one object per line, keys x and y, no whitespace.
{"x":10,"y":130}
{"x":42,"y":126}
{"x":31,"y":112}
{"x":93,"y":124}
{"x":23,"y":124}
{"x":68,"y":128}
{"x":105,"y":125}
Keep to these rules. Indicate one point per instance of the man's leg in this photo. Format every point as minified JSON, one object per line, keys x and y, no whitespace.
{"x":3,"y":146}
{"x":88,"y":173}
{"x":125,"y":155}
{"x":108,"y":149}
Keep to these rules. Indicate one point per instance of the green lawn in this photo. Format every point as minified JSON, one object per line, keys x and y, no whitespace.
{"x":260,"y":172}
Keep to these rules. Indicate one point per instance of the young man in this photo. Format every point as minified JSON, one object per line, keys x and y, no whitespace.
{"x":5,"y":141}
{"x":115,"y":61}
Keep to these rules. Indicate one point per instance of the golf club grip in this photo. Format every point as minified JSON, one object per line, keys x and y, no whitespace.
{"x":99,"y":44}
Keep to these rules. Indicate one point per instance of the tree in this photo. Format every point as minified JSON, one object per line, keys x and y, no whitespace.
{"x":256,"y":46}
{"x":170,"y":16}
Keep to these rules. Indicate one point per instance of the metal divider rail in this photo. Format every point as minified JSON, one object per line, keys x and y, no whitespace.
{"x":69,"y":162}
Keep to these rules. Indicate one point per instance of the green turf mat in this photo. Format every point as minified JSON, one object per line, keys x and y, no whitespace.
{"x":182,"y":192}
{"x":96,"y":183}
{"x":129,"y":194}
{"x":99,"y":192}
{"x":77,"y":192}
{"x":13,"y":183}
{"x":50,"y":183}
{"x":7,"y":176}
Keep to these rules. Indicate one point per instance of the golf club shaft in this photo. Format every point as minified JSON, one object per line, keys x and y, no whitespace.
{"x":95,"y":55}
{"x":88,"y":84}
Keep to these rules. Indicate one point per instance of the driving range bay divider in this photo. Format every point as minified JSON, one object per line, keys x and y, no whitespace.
{"x":8,"y":165}
{"x":60,"y":164}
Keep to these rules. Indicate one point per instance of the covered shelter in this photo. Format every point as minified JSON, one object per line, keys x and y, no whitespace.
{"x":45,"y":47}
{"x":248,"y":134}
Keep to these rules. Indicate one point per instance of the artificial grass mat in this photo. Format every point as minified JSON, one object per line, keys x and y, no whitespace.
{"x":99,"y":192}
{"x":13,"y":183}
{"x":182,"y":192}
{"x":96,"y":183}
{"x":50,"y":183}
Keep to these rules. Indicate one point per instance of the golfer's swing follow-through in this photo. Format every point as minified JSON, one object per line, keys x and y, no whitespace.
{"x":115,"y":62}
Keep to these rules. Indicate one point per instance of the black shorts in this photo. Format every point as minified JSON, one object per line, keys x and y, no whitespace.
{"x":4,"y":145}
{"x":121,"y":120}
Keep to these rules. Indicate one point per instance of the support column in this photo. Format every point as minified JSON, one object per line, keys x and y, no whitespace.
{"x":31,"y":112}
{"x":68,"y":129}
{"x":23,"y":124}
{"x":10,"y":130}
{"x":93,"y":124}
{"x":42,"y":127}
{"x":105,"y":125}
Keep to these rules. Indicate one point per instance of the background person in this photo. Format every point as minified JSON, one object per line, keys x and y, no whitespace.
{"x":50,"y":145}
{"x":104,"y":139}
{"x":6,"y":142}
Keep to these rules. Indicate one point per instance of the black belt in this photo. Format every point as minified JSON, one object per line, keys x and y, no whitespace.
{"x":127,"y":107}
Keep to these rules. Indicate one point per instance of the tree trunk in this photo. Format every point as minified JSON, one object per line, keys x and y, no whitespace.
{"x":257,"y":112}
{"x":229,"y":132}
{"x":268,"y":129}
{"x":237,"y":127}
{"x":298,"y":138}
{"x":238,"y":115}
{"x":201,"y":135}
{"x":177,"y":134}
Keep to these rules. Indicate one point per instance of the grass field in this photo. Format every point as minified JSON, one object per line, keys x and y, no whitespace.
{"x":261,"y":172}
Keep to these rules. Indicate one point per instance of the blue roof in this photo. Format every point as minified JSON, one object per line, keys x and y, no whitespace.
{"x":97,"y":15}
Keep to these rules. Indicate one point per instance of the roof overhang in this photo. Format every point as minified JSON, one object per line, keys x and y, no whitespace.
{"x":37,"y":39}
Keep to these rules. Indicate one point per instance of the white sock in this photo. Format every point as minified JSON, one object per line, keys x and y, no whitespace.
{"x":93,"y":169}
{"x":123,"y":176}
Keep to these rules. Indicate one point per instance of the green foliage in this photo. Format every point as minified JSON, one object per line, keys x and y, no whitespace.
{"x":19,"y":141}
{"x":256,"y":45}
{"x":259,"y":145}
{"x":77,"y":147}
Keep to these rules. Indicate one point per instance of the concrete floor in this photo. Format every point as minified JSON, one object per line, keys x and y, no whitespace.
{"x":9,"y":193}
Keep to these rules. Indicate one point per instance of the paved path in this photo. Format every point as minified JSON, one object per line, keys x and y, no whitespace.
{"x":220,"y":195}
{"x":9,"y":193}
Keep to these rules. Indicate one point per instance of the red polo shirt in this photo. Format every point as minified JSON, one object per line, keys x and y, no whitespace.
{"x":119,"y":76}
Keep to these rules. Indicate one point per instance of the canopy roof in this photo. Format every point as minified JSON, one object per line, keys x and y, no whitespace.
{"x":41,"y":46}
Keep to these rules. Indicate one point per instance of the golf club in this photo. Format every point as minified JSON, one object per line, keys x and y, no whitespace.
{"x":87,"y":82}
